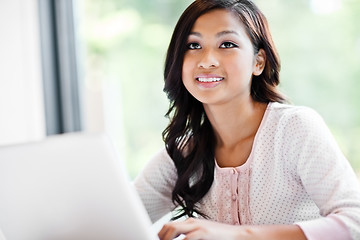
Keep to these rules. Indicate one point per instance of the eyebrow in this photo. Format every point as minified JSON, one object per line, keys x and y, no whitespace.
{"x":219,"y":34}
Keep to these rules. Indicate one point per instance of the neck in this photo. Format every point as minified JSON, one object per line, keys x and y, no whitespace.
{"x":236,"y":122}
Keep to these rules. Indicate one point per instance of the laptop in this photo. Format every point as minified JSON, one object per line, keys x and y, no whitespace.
{"x":69,"y":187}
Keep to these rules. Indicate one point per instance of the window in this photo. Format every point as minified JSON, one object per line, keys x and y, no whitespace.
{"x":126,"y":42}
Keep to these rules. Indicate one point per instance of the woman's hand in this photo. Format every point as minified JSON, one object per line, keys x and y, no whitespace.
{"x":196,"y":229}
{"x":199,"y":229}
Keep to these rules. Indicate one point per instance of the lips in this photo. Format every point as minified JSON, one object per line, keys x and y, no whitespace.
{"x":208,"y":80}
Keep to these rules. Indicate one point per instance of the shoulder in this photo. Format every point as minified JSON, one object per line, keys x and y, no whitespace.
{"x":286,"y":112}
{"x":297,"y":128}
{"x":295,"y":119}
{"x":161,"y":157}
{"x":160,"y":168}
{"x":161,"y":161}
{"x":301,"y":133}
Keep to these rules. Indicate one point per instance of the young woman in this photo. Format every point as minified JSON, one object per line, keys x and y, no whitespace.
{"x":239,"y":162}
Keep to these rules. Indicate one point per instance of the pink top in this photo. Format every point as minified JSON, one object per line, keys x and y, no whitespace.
{"x":295,"y":174}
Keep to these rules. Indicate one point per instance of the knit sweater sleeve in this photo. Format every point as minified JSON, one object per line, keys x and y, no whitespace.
{"x":155,"y":183}
{"x":328,"y":179}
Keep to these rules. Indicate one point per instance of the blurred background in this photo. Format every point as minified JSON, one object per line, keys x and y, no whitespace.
{"x":97,"y":65}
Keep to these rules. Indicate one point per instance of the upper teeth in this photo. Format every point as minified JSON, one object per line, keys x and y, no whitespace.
{"x":209,"y":79}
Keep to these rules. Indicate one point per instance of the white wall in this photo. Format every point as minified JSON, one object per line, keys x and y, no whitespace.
{"x":21,"y":99}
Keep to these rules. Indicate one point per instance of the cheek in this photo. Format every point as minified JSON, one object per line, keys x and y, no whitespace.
{"x":240,"y":66}
{"x":187,"y":69}
{"x":187,"y":74}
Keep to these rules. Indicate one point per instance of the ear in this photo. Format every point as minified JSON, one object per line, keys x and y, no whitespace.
{"x":260,"y":60}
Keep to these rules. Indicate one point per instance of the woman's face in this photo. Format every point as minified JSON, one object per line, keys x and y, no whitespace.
{"x":220,"y":60}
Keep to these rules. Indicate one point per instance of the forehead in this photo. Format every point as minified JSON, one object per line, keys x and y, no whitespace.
{"x":218,"y":20}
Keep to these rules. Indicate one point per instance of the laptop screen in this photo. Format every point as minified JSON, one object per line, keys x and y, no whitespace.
{"x":71,"y":186}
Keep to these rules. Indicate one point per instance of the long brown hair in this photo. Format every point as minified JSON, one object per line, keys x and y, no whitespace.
{"x":189,"y":137}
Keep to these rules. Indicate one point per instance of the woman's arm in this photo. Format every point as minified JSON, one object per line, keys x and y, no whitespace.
{"x":194,"y":229}
{"x":155,"y":183}
{"x":328,"y":178}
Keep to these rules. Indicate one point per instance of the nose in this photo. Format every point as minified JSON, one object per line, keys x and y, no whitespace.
{"x":208,"y":60}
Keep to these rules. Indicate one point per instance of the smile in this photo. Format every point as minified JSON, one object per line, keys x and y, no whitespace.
{"x":211,"y":79}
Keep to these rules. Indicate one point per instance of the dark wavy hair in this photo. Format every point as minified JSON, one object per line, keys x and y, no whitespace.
{"x":189,"y":138}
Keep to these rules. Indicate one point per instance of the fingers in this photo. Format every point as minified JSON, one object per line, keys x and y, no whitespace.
{"x":172,"y":230}
{"x":196,"y":234}
{"x":195,"y":229}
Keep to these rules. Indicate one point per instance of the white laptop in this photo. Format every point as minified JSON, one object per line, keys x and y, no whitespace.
{"x":68,"y":187}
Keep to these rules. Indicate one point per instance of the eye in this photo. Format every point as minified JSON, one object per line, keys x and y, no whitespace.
{"x":192,"y":46}
{"x":228,"y":45}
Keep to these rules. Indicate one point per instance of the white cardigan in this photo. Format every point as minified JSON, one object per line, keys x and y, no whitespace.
{"x":295,"y":174}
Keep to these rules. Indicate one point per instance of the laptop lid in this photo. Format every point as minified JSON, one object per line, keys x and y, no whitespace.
{"x":68,"y":187}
